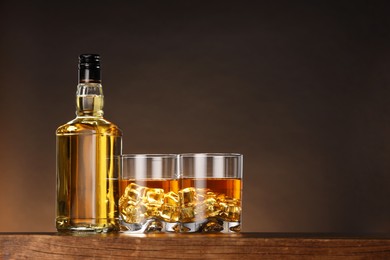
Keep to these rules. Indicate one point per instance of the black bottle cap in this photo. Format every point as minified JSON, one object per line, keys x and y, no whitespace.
{"x":89,"y":59}
{"x":89,"y":68}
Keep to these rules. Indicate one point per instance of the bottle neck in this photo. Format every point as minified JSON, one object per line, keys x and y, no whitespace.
{"x":89,"y":74}
{"x":89,"y":96}
{"x":89,"y":100}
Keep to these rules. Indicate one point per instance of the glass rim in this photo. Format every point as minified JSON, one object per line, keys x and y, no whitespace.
{"x":149,"y":155}
{"x":210,"y":155}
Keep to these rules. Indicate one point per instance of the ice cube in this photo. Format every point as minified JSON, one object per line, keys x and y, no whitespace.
{"x":152,"y":211}
{"x":132,"y":214}
{"x":130,"y":206}
{"x":187,"y":214}
{"x":152,"y":202}
{"x":170,"y":213}
{"x":230,"y":210}
{"x":212,"y":208}
{"x":187,"y":197}
{"x":170,"y":210}
{"x":154,"y":197}
{"x":135,"y":192}
{"x":171,"y":198}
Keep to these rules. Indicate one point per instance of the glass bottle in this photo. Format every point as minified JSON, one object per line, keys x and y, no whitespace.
{"x":87,"y":159}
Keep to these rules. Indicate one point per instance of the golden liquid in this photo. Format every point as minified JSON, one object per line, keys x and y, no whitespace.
{"x":184,"y":200}
{"x":87,"y":175}
{"x":90,"y":103}
{"x":207,"y":198}
{"x":230,"y":187}
{"x":149,"y":199}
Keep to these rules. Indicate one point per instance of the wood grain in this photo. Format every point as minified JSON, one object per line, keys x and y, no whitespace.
{"x":193,"y":246}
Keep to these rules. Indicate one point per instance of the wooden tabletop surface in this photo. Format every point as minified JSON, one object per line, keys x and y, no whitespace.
{"x":194,"y":246}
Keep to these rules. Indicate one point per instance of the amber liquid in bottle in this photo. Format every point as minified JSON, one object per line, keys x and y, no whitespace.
{"x":87,"y":160}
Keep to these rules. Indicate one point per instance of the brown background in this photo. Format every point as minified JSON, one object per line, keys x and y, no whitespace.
{"x":300,"y":88}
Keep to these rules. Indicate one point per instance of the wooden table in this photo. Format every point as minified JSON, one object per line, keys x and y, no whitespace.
{"x":194,"y":246}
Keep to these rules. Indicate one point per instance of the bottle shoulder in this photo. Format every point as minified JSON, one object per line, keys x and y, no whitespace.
{"x":89,"y":125}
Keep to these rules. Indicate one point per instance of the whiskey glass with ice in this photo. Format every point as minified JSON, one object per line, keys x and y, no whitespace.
{"x":148,"y":191}
{"x":210,"y":193}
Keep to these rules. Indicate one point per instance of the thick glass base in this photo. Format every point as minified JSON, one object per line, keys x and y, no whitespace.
{"x":149,"y":226}
{"x":210,"y":226}
{"x":156,"y":225}
{"x":66,"y":225}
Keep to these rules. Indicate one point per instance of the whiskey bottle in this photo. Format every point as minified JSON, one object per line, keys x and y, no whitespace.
{"x":88,"y":148}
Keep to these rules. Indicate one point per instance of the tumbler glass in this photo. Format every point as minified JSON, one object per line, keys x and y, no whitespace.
{"x":210,"y":192}
{"x":148,"y":191}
